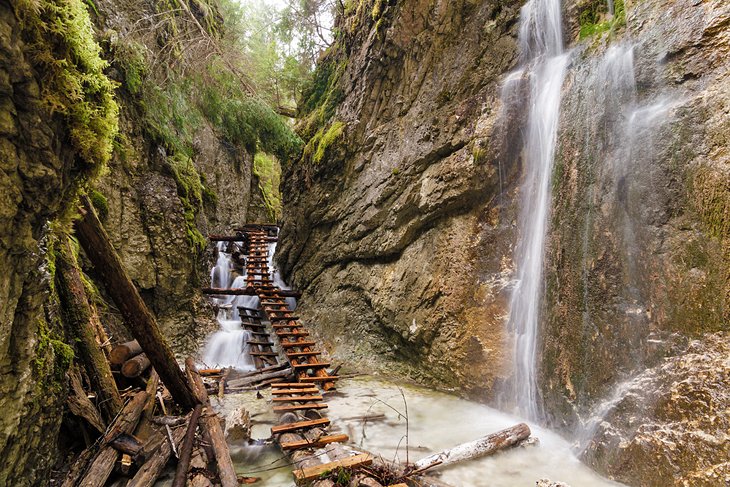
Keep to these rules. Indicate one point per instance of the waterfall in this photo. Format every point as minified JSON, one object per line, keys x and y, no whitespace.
{"x":220,"y":275}
{"x":228,"y":347}
{"x":544,"y":62}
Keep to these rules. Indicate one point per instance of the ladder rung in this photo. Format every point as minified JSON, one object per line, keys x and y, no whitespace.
{"x":263,"y":354}
{"x":292,"y":333}
{"x":303,"y":354}
{"x":298,"y":407}
{"x":307,"y":390}
{"x":329,"y":378}
{"x":285,"y":428}
{"x":283,"y":318}
{"x":297,"y":399}
{"x":318,"y":443}
{"x":292,"y":385}
{"x":320,"y":365}
{"x":256,"y":342}
{"x":297,"y":344}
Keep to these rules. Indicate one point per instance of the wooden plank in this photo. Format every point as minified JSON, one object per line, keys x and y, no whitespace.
{"x":289,"y":427}
{"x":263,"y":354}
{"x":292,"y":333}
{"x":276,"y":392}
{"x":312,"y":473}
{"x":292,"y":385}
{"x":283,"y":318}
{"x":303,"y":354}
{"x":328,"y":378}
{"x":247,"y":291}
{"x":255,"y":342}
{"x":297,"y":344}
{"x":297,"y":399}
{"x":320,"y":442}
{"x":298,"y":407}
{"x":320,"y":365}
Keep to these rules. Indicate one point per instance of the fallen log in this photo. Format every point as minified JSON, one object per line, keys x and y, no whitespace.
{"x":487,"y":445}
{"x":137,"y":317}
{"x":248,"y":291}
{"x":123,"y":352}
{"x":128,"y":444}
{"x":186,"y":451}
{"x":237,"y":383}
{"x":79,"y":317}
{"x":102,"y":464}
{"x":135,"y":366}
{"x":212,"y":427}
{"x":147,"y":475}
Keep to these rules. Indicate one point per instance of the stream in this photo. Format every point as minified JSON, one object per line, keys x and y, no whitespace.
{"x":436,"y":421}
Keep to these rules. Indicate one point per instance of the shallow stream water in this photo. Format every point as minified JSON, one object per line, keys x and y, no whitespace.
{"x":436,"y":421}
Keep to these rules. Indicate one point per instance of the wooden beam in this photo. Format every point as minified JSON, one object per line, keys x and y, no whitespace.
{"x":137,"y":317}
{"x":286,"y":428}
{"x":312,"y":473}
{"x":247,"y":291}
{"x":297,"y":399}
{"x":318,"y":443}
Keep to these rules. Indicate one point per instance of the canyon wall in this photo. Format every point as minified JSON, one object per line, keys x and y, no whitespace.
{"x":400,"y":220}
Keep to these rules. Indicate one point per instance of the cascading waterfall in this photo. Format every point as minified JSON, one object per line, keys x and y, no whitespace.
{"x":220,"y":275}
{"x":544,"y":63}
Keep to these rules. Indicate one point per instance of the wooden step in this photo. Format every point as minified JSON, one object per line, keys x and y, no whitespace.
{"x":291,"y":385}
{"x":281,"y":327}
{"x":287,"y":428}
{"x":254,"y":325}
{"x":321,"y":365}
{"x":283,"y":318}
{"x":329,"y":378}
{"x":256,"y":342}
{"x":292,"y":333}
{"x":276,"y":302}
{"x":263,"y":354}
{"x":318,"y":443}
{"x":297,"y":344}
{"x":311,"y":473}
{"x":298,"y":407}
{"x":297,"y":399}
{"x":309,"y":389}
{"x":303,"y":354}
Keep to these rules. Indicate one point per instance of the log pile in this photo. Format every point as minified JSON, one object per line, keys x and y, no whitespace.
{"x":137,"y":408}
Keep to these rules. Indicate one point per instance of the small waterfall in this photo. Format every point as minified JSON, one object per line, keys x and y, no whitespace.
{"x":228,"y":346}
{"x":545,"y":63}
{"x":220,"y":275}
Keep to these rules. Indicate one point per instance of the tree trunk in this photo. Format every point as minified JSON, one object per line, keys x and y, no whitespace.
{"x":78,"y":315}
{"x":479,"y":448}
{"x":147,"y":475}
{"x":183,"y":464}
{"x":137,"y":317}
{"x":103,"y":462}
{"x":80,"y":405}
{"x":209,"y":422}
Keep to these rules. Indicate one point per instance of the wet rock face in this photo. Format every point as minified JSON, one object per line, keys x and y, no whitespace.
{"x":672,"y":424}
{"x":36,"y":172}
{"x":383,"y":234}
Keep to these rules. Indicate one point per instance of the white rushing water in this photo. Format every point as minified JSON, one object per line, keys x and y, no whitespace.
{"x":544,"y":63}
{"x":436,"y":421}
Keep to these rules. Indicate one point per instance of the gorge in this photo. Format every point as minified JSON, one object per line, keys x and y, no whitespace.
{"x":525,"y":204}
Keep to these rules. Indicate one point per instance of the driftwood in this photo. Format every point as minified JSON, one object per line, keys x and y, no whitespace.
{"x":79,"y":316}
{"x":183,"y":464}
{"x":124,"y":351}
{"x":212,"y":428}
{"x":137,"y":317}
{"x":487,"y":445}
{"x":247,"y":381}
{"x":135,"y":366}
{"x":147,"y":475}
{"x":102,"y":464}
{"x":80,"y":405}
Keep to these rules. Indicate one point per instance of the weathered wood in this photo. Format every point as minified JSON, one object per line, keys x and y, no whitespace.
{"x":183,"y":464}
{"x":311,"y":473}
{"x":326,"y":378}
{"x":209,"y":423}
{"x":487,"y":445}
{"x":135,"y":366}
{"x":102,"y":464}
{"x":298,"y":407}
{"x":289,"y":427}
{"x":297,"y":399}
{"x":232,"y":384}
{"x":318,"y":443}
{"x":293,"y":385}
{"x":128,"y":444}
{"x":138,"y":319}
{"x":294,"y":391}
{"x":247,"y":291}
{"x":124,"y":351}
{"x":80,"y":405}
{"x":79,"y":317}
{"x":147,"y":475}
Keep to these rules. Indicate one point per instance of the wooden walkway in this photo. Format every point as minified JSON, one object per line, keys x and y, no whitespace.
{"x":274,"y":325}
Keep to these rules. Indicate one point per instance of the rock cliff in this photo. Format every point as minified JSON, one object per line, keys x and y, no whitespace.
{"x":400,"y":221}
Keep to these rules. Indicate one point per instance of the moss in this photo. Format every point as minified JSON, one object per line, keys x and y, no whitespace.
{"x":328,"y":139}
{"x":190,"y":190}
{"x":74,"y":84}
{"x":395,"y":171}
{"x":377,"y":11}
{"x":591,"y":19}
{"x":130,"y":58}
{"x":268,"y":170}
{"x":100,"y":203}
